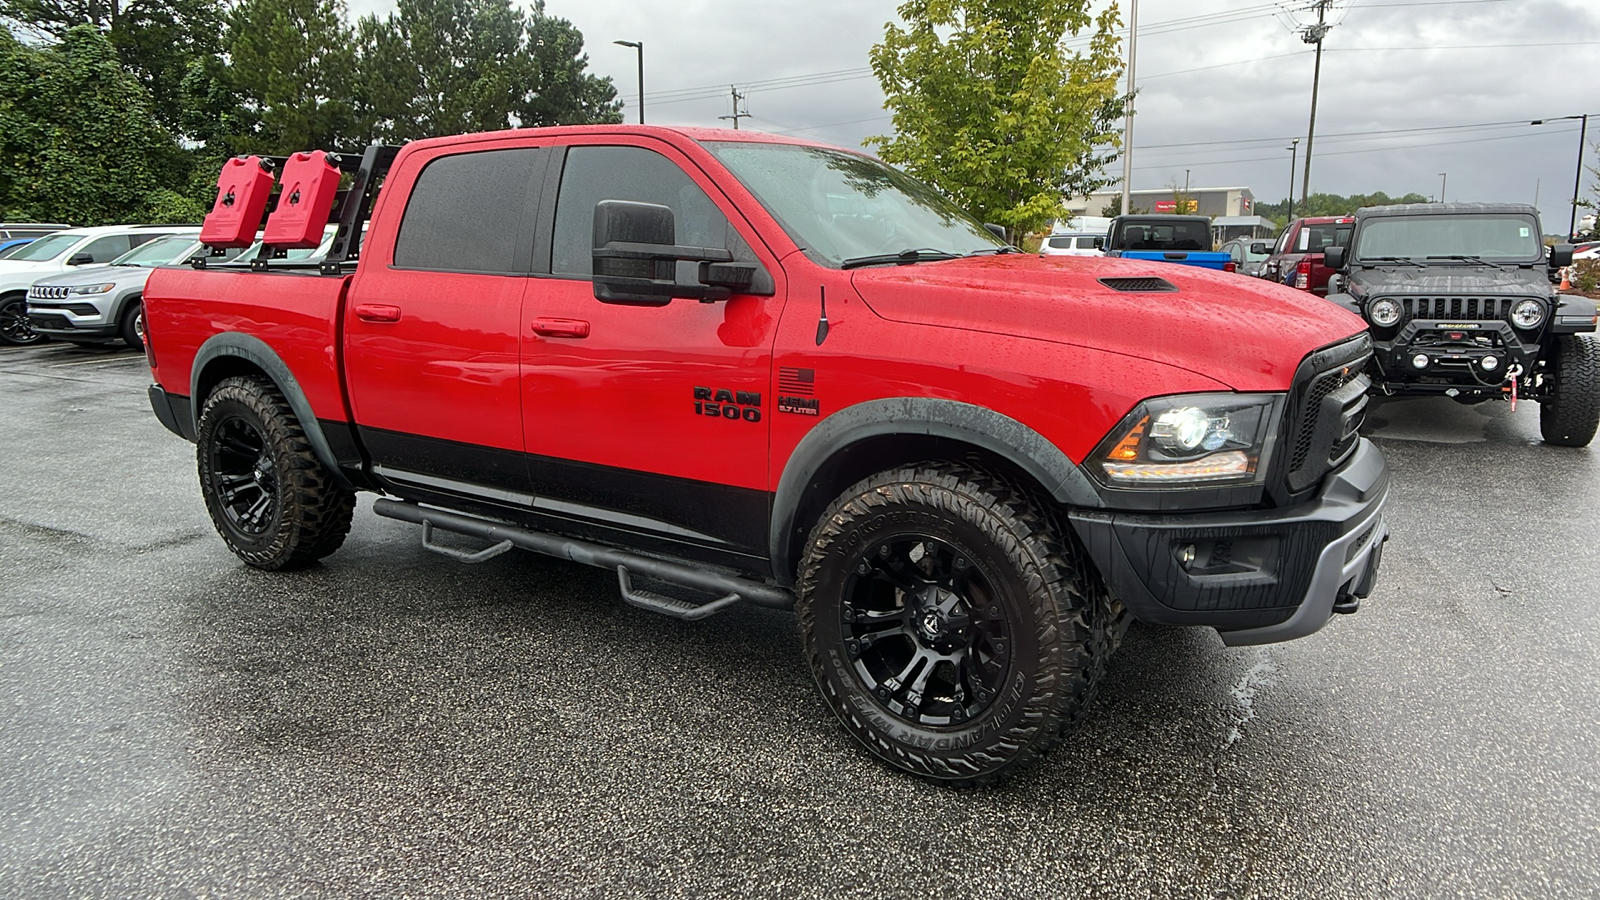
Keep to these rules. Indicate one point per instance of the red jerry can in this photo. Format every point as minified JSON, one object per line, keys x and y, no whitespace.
{"x":309,"y":183}
{"x":242,"y":191}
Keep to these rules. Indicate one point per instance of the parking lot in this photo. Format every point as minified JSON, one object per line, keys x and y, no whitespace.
{"x":392,"y":723}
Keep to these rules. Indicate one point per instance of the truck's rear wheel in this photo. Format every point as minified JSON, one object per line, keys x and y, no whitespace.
{"x":1569,"y":415}
{"x":954,"y":633}
{"x":272,"y":501}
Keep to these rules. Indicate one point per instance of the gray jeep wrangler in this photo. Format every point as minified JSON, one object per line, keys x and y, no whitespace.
{"x":1459,"y":302}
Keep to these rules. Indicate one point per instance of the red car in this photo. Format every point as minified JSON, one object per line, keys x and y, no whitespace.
{"x":769,"y":371}
{"x":1296,"y":259}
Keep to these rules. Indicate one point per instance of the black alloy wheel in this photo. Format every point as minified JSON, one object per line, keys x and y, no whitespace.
{"x":243,"y":477}
{"x":14,"y":326}
{"x":925,"y":631}
{"x":273,"y":502}
{"x":951,"y":622}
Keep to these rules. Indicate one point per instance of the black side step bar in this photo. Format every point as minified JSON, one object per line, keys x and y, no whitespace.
{"x":731,"y":589}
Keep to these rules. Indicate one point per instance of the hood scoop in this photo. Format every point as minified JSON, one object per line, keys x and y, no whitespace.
{"x":1146,"y":285}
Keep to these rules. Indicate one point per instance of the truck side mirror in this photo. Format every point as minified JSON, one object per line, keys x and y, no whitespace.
{"x":1560,"y":256}
{"x":1333,"y":257}
{"x":1259,"y":248}
{"x":636,"y":260}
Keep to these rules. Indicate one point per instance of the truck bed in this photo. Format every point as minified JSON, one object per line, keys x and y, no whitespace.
{"x":298,"y":315}
{"x":1205,"y":259}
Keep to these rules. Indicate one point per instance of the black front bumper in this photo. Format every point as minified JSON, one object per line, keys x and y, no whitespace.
{"x":1454,"y":366}
{"x":1256,"y":576}
{"x":61,"y":326}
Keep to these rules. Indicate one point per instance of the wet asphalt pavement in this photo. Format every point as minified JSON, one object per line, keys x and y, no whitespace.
{"x":390,"y":723}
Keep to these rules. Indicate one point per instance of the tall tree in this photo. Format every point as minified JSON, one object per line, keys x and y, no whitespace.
{"x":437,"y":67}
{"x":293,"y":64}
{"x":155,"y":39}
{"x":79,"y":141}
{"x":990,"y":108}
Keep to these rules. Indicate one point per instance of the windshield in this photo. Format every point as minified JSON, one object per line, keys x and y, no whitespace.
{"x":841,"y":206}
{"x":46,"y":248}
{"x":1507,"y":236}
{"x":158,"y":252}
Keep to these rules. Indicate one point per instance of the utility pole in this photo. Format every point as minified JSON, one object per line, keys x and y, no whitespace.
{"x":1294,"y":146}
{"x":1313,"y":34}
{"x":1127,"y":125}
{"x":1443,"y":178}
{"x":736,"y":114}
{"x":638,"y":46}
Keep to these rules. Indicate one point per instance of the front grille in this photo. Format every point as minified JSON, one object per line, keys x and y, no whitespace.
{"x":1471,"y":309}
{"x":1327,"y":407}
{"x":1140,"y":285}
{"x":47,"y":292}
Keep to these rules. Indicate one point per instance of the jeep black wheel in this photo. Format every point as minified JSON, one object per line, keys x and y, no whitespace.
{"x":272,"y":501}
{"x":1570,"y":412}
{"x":14,"y":327}
{"x":951,"y":628}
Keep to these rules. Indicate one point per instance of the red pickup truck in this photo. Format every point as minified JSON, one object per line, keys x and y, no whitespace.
{"x":762,"y":370}
{"x":1296,"y":258}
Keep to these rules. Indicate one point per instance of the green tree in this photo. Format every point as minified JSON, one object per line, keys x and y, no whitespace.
{"x":79,"y":140}
{"x":1331,"y":205}
{"x":155,"y":39}
{"x":990,"y":108}
{"x":293,"y":69}
{"x":436,"y":67}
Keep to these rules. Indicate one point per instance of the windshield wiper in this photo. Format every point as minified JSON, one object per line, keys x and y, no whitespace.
{"x":1401,"y":260}
{"x":1473,"y":259}
{"x":903,"y":258}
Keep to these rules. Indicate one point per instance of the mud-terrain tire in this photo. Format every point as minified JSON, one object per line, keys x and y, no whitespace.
{"x":1569,"y":415}
{"x":275,"y":505}
{"x":955,"y":632}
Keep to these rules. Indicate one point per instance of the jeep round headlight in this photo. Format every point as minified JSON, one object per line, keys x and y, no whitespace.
{"x":1527,"y":314}
{"x":1384,"y":312}
{"x":1195,"y":439}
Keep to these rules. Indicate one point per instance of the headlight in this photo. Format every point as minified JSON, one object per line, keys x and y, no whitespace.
{"x":92,"y":288}
{"x":1384,"y":312}
{"x":1527,"y":314}
{"x":1199,"y":439}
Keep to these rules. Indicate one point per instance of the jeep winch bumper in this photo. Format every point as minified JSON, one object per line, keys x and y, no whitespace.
{"x":1257,"y":576}
{"x":1458,"y":358}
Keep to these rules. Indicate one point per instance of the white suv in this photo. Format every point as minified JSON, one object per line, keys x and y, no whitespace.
{"x":63,"y":251}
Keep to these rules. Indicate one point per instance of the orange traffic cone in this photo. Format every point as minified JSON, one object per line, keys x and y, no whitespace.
{"x":1566,"y":280}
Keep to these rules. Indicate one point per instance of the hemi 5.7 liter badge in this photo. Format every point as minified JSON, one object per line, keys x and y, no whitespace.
{"x":795,"y":387}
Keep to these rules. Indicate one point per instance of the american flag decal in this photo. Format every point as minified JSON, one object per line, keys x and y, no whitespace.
{"x":801,"y":382}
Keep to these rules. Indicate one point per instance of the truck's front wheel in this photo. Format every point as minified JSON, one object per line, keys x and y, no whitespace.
{"x":1569,"y":415}
{"x":951,"y":629}
{"x":272,"y":501}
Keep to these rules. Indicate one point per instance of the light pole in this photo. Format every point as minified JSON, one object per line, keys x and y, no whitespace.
{"x":1293,"y":148}
{"x":1127,"y":125}
{"x":1577,"y":180}
{"x":1443,"y":177}
{"x":639,"y":46}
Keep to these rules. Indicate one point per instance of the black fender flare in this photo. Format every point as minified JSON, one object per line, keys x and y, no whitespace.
{"x":976,"y":425}
{"x":257,"y":352}
{"x":1573,"y":315}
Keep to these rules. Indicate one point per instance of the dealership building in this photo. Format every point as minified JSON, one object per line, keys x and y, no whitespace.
{"x":1230,"y":209}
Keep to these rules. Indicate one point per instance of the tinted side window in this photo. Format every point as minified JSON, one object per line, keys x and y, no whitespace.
{"x":593,"y":174}
{"x":106,"y":249}
{"x":465,"y":213}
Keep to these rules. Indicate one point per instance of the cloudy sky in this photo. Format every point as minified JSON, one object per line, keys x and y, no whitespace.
{"x":1410,"y":88}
